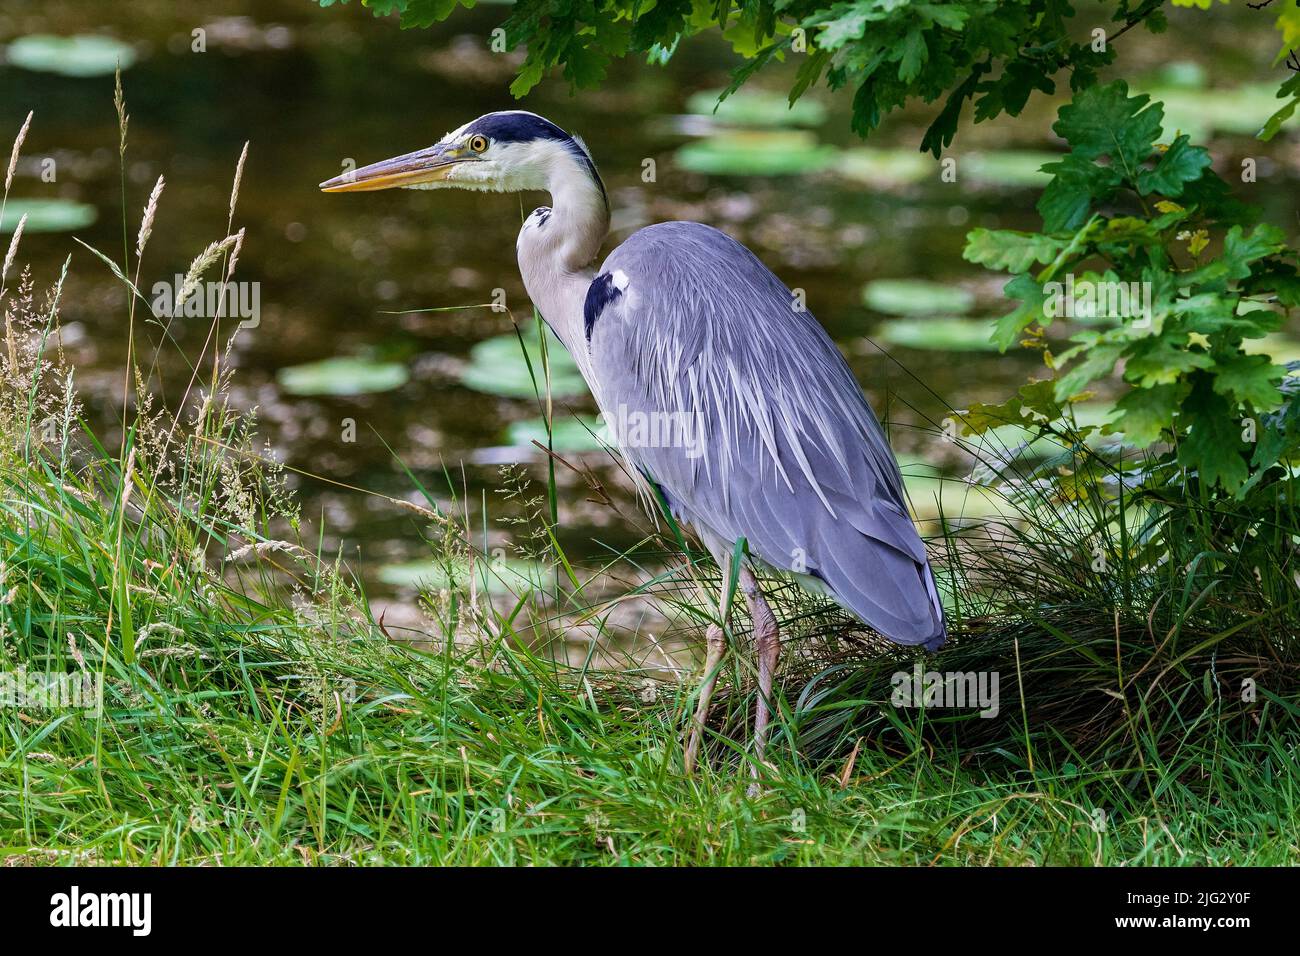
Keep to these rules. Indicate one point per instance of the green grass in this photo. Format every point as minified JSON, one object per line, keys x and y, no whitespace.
{"x":255,"y":712}
{"x":264,"y":717}
{"x":251,"y":735}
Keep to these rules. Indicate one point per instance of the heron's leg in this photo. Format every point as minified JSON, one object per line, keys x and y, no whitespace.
{"x":716,"y":642}
{"x":716,"y":639}
{"x":767,"y":641}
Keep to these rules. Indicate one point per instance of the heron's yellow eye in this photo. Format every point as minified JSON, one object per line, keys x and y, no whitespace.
{"x":478,"y":143}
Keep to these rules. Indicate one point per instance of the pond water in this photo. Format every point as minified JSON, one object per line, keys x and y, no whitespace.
{"x":872,"y":234}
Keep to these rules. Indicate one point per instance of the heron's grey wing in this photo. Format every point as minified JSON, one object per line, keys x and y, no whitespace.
{"x":739,"y":407}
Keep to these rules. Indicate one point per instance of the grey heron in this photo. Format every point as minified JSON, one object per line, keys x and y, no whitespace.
{"x":775,"y":446}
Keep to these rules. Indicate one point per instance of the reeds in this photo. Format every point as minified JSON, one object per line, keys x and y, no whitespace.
{"x":146,"y":221}
{"x":17,"y":148}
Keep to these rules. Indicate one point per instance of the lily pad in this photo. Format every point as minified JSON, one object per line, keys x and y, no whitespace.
{"x":496,"y":576}
{"x":1198,"y":113}
{"x":1008,"y":167}
{"x":342,"y":376}
{"x":931,"y":495}
{"x":886,"y":167}
{"x":497,"y":366}
{"x":1184,"y":74}
{"x":47,"y":215}
{"x":757,"y":153}
{"x":757,"y":108}
{"x":928,"y":489}
{"x":571,"y":433}
{"x":916,"y":297}
{"x":80,"y":55}
{"x":942,"y":334}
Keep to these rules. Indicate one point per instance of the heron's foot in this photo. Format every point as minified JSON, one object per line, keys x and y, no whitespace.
{"x":716,"y":641}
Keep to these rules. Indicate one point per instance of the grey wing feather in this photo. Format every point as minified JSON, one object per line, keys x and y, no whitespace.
{"x":773,"y":440}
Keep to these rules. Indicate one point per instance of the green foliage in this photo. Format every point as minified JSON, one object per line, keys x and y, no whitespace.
{"x":993,"y":54}
{"x":1288,"y":24}
{"x":1129,"y":225}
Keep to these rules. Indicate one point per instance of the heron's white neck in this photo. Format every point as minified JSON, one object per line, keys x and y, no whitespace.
{"x":557,"y":251}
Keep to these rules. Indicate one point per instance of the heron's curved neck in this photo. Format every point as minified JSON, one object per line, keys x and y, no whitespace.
{"x":558,"y":248}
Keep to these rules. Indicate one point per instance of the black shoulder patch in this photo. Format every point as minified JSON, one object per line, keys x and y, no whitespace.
{"x":600,"y":293}
{"x":541,"y":214}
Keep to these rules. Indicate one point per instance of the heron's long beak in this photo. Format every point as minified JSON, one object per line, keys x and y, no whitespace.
{"x":422,"y":166}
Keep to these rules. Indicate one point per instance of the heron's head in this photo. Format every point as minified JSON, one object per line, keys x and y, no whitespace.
{"x":510,"y":151}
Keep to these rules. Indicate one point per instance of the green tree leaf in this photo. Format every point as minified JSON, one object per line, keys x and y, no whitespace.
{"x":1098,"y":361}
{"x":1213,"y":446}
{"x":1181,"y":163}
{"x":1010,"y":251}
{"x":1147,"y":413}
{"x":1162,"y":360}
{"x":1008,"y":329}
{"x":1106,"y":121}
{"x":1076,"y":184}
{"x":1250,"y":379}
{"x":425,"y":13}
{"x":1291,"y":88}
{"x":912,"y":55}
